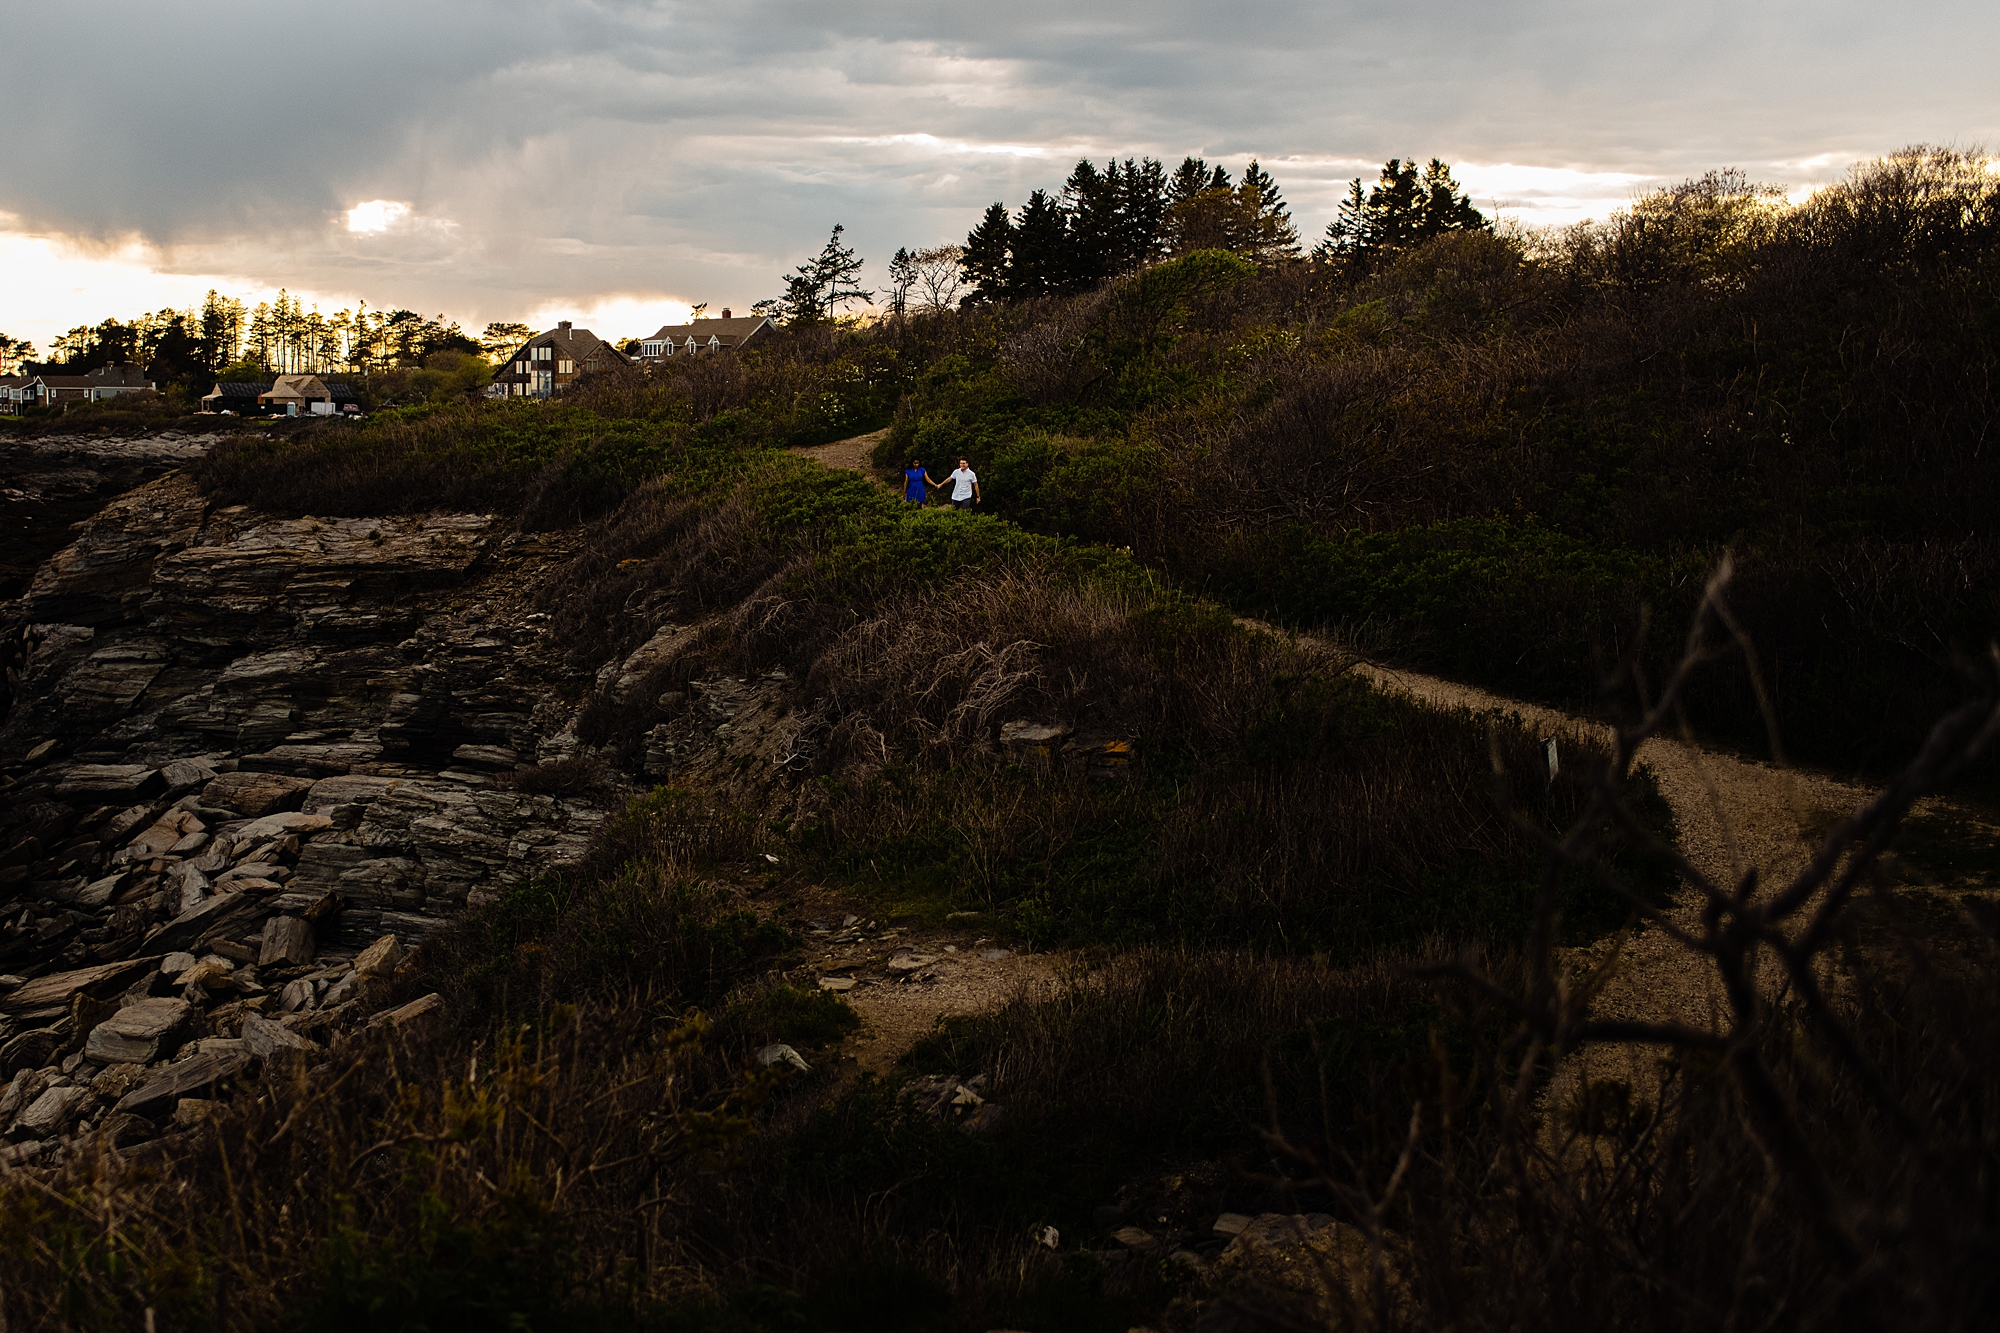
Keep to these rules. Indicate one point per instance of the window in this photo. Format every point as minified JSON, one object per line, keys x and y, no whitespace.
{"x":544,"y":354}
{"x":565,"y":367}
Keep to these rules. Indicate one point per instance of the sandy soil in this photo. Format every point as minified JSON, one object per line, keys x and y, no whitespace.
{"x":899,"y":1013}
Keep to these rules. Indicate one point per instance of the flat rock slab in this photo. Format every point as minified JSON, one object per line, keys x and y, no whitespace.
{"x":58,"y":987}
{"x":137,"y":1034}
{"x":256,"y":794}
{"x":126,"y":782}
{"x":224,"y":916}
{"x":278,"y":825}
{"x":192,"y":1075}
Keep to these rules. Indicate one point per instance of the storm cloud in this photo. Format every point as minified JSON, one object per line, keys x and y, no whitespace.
{"x":524,"y":155}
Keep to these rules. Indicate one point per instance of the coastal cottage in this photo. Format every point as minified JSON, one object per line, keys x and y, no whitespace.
{"x":12,"y":389}
{"x":307,"y":395}
{"x":50,"y":390}
{"x":550,"y":362}
{"x":704,"y":337}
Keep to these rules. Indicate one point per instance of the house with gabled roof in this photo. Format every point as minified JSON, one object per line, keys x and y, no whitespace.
{"x":12,"y":390}
{"x":704,"y":337}
{"x":48,"y":390}
{"x":550,"y":362}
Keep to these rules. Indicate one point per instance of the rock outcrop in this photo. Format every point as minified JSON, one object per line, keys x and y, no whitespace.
{"x":245,"y":763}
{"x":248,"y":763}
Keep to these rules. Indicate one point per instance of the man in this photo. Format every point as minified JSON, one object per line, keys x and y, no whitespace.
{"x":964,"y":486}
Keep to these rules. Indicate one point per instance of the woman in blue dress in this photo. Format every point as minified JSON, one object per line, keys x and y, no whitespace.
{"x":915,"y":480}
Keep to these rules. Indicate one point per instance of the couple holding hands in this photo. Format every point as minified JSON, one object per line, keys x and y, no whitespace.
{"x":964,"y":484}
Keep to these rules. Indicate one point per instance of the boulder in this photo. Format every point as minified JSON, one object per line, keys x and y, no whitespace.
{"x":139,"y":1033}
{"x":99,"y":893}
{"x":256,"y":794}
{"x":288,"y":941}
{"x":265,"y":1039}
{"x":379,"y":959}
{"x":27,"y":1050}
{"x":52,"y":1112}
{"x":1308,"y":1267}
{"x":185,"y":775}
{"x":1033,"y":744}
{"x":21,"y":1089}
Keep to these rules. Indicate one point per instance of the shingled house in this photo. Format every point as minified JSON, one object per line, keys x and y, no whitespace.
{"x":703,"y":337}
{"x":90,"y":387}
{"x":550,"y":362}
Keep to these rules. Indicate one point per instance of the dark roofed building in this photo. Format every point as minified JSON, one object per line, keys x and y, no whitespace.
{"x":238,"y":396}
{"x":703,"y":337}
{"x":550,"y":362}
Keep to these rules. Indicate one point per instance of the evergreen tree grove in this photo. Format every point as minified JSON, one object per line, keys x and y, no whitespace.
{"x":1404,"y":208}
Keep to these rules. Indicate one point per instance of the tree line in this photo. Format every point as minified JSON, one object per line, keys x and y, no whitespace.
{"x":1109,"y":221}
{"x":225,"y":339}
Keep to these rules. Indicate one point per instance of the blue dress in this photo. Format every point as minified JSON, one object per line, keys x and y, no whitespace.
{"x":913,"y":485}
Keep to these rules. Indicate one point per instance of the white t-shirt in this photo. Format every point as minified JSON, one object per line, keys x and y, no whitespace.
{"x":962,"y":480}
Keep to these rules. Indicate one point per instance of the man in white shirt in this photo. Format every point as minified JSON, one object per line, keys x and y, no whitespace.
{"x":964,"y":486}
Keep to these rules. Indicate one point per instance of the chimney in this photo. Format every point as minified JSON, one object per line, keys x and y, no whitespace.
{"x":564,"y":326}
{"x":725,"y":312}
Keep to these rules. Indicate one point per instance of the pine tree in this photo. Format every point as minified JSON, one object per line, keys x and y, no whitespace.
{"x":1267,"y":223}
{"x":816,"y":289}
{"x":1192,"y":177}
{"x":1041,"y":262}
{"x":988,"y":258}
{"x":902,"y":277}
{"x":1090,"y":207}
{"x":1405,"y":208}
{"x":835,"y":269}
{"x":1444,"y":208}
{"x":1142,"y":210}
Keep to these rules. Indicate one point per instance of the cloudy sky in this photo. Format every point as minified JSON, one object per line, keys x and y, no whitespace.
{"x":617,"y":160}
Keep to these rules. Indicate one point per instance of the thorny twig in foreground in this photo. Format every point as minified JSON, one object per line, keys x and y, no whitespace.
{"x":1739,"y":926}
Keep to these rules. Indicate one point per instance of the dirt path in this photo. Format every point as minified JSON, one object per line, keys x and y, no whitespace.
{"x":850,"y":453}
{"x":1730,"y":814}
{"x":902,"y":979}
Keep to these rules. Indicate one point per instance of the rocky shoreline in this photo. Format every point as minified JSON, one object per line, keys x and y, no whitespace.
{"x":246,"y":764}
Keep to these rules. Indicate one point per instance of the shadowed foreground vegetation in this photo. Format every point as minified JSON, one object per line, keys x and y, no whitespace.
{"x":1316,"y":966}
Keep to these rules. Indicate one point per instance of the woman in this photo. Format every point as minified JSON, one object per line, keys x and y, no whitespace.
{"x":915,"y":479}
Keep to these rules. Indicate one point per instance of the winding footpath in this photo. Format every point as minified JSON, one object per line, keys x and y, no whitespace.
{"x":1729,"y":814}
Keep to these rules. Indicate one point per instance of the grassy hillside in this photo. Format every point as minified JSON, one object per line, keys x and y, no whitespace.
{"x":1492,"y":456}
{"x":1486,"y":457}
